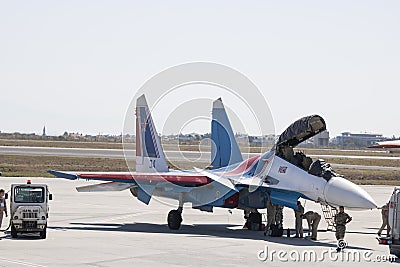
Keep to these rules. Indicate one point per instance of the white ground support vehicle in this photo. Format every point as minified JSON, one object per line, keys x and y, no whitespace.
{"x":29,"y":209}
{"x":394,"y":222}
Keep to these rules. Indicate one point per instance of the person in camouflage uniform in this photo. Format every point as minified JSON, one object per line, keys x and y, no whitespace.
{"x":271,"y":214}
{"x":385,"y":220}
{"x":279,"y":215}
{"x":313,"y":219}
{"x":341,"y":219}
{"x":298,"y":220}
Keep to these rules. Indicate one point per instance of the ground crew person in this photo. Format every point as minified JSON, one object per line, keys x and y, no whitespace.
{"x":313,"y":219}
{"x":279,"y":216}
{"x":341,"y":219}
{"x":3,"y":206}
{"x":385,"y":220}
{"x":271,"y":213}
{"x":299,"y":222}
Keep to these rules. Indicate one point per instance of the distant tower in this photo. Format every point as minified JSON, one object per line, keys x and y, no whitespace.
{"x":44,"y":131}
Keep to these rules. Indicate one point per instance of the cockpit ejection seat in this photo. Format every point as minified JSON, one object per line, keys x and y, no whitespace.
{"x":287,"y":153}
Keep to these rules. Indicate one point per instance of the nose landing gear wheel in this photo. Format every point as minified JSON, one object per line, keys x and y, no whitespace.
{"x":174,"y":219}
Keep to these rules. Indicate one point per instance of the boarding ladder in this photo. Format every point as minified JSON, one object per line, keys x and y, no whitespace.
{"x":329,"y":213}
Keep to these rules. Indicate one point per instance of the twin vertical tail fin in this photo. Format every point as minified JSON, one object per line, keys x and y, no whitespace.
{"x":149,"y":153}
{"x":225,"y":150}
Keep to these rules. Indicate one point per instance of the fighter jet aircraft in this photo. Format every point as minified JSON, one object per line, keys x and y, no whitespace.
{"x":278,"y":175}
{"x":387,"y":144}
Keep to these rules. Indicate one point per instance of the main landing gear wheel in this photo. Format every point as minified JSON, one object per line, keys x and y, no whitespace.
{"x":174,"y":219}
{"x":255,"y":217}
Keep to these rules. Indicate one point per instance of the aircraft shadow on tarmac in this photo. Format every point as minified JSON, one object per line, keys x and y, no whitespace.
{"x":27,"y":236}
{"x":200,"y":230}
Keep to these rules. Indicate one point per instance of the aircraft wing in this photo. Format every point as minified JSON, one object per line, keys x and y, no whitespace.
{"x":119,"y":181}
{"x":109,"y":186}
{"x":180,"y":178}
{"x":219,"y":179}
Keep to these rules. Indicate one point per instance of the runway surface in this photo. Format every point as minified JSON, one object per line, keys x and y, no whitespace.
{"x":171,"y":155}
{"x":114,"y":229}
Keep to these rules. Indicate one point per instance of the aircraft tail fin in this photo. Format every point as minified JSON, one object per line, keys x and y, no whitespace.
{"x":149,"y":153}
{"x":225,"y":150}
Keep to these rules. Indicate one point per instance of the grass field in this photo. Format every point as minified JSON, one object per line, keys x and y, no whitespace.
{"x":334,"y":151}
{"x":98,"y":145}
{"x":28,"y":166}
{"x":371,"y":177}
{"x":67,"y":144}
{"x":187,"y":147}
{"x":365,"y":162}
{"x":37,"y":166}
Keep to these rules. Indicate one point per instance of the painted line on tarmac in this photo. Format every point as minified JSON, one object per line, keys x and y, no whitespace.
{"x":124,"y":217}
{"x":20,"y":262}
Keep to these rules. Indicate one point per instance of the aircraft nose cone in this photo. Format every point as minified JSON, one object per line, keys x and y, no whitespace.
{"x":341,"y":192}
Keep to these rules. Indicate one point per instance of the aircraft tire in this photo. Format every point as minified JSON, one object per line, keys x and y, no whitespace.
{"x":174,"y":219}
{"x":394,"y":249}
{"x":43,"y":234}
{"x":13,"y":232}
{"x":255,"y":217}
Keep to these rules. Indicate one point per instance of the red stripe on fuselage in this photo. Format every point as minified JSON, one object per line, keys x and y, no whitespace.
{"x":178,"y":179}
{"x":243,"y":167}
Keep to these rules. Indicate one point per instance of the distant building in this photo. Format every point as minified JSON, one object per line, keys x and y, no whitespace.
{"x":185,"y":137}
{"x":321,"y":139}
{"x":358,"y":139}
{"x":75,"y":136}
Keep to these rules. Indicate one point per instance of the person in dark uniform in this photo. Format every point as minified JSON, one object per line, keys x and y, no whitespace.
{"x":341,"y":219}
{"x":299,"y":222}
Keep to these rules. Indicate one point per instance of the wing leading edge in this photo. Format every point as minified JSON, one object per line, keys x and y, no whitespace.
{"x":180,"y":178}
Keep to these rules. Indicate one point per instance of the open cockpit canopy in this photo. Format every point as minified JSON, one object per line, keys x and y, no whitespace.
{"x":301,"y":130}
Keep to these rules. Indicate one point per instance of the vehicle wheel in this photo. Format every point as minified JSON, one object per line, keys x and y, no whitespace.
{"x":394,"y":251}
{"x":13,"y":232}
{"x":174,"y":219}
{"x":43,"y":234}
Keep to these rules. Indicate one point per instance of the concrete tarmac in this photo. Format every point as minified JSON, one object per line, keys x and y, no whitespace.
{"x":114,"y":229}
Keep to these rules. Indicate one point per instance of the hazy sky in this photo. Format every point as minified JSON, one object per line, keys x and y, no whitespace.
{"x":75,"y":65}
